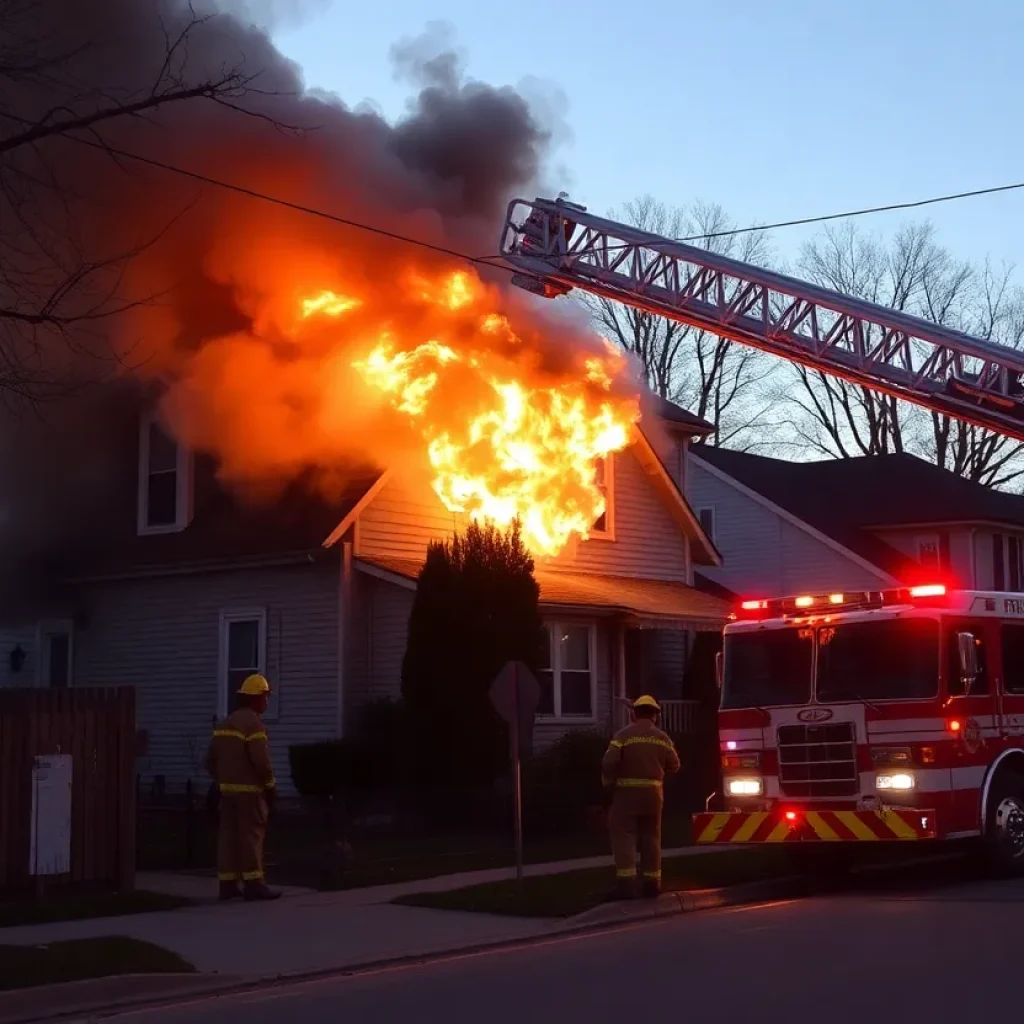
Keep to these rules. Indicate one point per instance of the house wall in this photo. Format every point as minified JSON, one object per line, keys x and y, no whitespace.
{"x":26,"y":637}
{"x":402,"y":520}
{"x":162,"y":636}
{"x":961,"y":556}
{"x":377,"y":667}
{"x":763,"y":552}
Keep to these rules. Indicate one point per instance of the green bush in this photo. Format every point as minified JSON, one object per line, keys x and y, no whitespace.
{"x":366,"y":764}
{"x":562,"y":784}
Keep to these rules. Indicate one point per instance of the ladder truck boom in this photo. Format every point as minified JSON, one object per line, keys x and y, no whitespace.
{"x":556,"y":246}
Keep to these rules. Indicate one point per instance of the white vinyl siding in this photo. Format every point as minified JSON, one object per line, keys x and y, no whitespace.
{"x":163,"y":636}
{"x":764,"y":553}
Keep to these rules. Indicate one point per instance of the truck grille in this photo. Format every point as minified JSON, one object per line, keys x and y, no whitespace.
{"x":818,"y":760}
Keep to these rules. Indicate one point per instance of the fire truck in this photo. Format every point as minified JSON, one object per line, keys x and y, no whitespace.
{"x":846,"y":718}
{"x":877,"y":716}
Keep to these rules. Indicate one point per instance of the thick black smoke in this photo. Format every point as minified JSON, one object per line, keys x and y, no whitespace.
{"x":442,"y":173}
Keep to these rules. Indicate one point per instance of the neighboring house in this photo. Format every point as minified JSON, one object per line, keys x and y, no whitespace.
{"x":195,"y":590}
{"x":788,"y":527}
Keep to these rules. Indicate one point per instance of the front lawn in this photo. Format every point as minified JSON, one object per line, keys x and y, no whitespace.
{"x":82,"y":959}
{"x":573,"y":892}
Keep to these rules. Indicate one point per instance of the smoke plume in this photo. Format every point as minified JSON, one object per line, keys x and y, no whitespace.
{"x":197,"y":288}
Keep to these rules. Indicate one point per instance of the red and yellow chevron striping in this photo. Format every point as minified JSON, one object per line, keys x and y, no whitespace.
{"x":813,"y":826}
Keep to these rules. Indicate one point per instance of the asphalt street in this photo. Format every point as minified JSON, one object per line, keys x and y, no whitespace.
{"x":950,"y":953}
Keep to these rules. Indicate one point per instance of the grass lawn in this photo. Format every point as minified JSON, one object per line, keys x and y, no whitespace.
{"x":72,"y":906}
{"x":81,"y":959}
{"x":573,"y":892}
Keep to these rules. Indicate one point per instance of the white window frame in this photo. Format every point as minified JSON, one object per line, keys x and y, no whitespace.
{"x":554,"y":628}
{"x":714,"y":521}
{"x":607,"y":532}
{"x":182,"y":482}
{"x":45,"y":629}
{"x":227,"y":617}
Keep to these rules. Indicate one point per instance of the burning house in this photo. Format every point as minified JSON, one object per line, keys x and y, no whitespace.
{"x":304,"y":383}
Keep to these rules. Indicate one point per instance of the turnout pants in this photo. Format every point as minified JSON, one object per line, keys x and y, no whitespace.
{"x":635,"y":825}
{"x":242,"y":829}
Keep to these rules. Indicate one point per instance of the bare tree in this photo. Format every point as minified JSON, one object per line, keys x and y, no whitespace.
{"x":913,"y":274}
{"x":62,"y":110}
{"x":710,"y":376}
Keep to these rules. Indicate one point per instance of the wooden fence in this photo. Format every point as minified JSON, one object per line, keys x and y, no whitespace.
{"x":97,"y":728}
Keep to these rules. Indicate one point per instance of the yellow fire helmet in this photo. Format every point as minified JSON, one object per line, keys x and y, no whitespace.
{"x":254,"y":686}
{"x":646,"y":701}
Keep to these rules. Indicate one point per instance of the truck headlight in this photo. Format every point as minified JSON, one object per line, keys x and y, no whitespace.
{"x":899,"y":781}
{"x":744,"y":787}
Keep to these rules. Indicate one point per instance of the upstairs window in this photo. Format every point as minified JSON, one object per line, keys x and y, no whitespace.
{"x":603,"y":525}
{"x":164,"y":480}
{"x":707,"y":521}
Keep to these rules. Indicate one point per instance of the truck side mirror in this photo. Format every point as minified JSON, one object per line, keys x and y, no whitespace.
{"x":719,"y":659}
{"x":967,"y":651}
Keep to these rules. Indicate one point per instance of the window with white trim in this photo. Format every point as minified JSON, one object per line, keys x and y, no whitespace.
{"x":165,"y":480}
{"x":604,"y":479}
{"x":243,"y":651}
{"x":56,"y":651}
{"x":566,"y":672}
{"x":706,"y":516}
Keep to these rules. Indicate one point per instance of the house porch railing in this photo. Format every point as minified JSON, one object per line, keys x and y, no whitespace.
{"x":677,"y":716}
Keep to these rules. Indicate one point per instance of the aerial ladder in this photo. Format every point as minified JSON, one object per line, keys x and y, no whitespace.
{"x":555,"y":246}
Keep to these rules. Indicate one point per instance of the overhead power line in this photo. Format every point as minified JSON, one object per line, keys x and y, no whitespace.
{"x":489,"y":260}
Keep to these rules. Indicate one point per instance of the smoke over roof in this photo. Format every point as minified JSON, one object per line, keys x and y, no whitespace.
{"x":198,"y":278}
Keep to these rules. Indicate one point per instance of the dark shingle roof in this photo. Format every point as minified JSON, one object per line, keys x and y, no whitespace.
{"x":844,"y":498}
{"x":676,"y":414}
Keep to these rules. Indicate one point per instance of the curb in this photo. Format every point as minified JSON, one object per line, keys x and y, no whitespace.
{"x":605,"y":919}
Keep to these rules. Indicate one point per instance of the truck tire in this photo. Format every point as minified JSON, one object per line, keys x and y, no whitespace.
{"x":1004,"y":824}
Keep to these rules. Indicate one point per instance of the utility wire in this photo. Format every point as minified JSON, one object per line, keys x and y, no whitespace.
{"x":488,"y":260}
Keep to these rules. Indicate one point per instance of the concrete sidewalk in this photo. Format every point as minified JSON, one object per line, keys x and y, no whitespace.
{"x":305,"y":930}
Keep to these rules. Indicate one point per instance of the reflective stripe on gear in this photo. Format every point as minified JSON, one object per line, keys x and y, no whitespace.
{"x":234,"y":734}
{"x":652,"y":740}
{"x":252,"y":876}
{"x":229,"y":876}
{"x":235,"y":787}
{"x":638,"y":783}
{"x":654,"y":876}
{"x":626,"y":873}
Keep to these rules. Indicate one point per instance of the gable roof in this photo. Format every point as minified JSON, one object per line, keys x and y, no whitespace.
{"x":873,"y":491}
{"x":841,"y":498}
{"x":677,"y":415}
{"x":225,"y":527}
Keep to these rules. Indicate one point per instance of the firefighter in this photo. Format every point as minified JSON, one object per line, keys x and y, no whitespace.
{"x":633,"y":772}
{"x":239,"y":761}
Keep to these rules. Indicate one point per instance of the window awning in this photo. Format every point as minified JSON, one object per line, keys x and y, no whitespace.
{"x":641,"y":602}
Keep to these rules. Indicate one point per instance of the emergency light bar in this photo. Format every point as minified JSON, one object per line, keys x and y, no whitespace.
{"x":810,"y":604}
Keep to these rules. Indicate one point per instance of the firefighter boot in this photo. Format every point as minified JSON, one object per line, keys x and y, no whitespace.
{"x":257,"y":891}
{"x":229,"y":891}
{"x":625,"y":889}
{"x":651,"y":889}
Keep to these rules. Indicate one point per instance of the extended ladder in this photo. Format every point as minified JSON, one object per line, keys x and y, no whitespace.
{"x":557,"y":246}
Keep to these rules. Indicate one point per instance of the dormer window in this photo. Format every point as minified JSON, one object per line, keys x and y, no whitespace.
{"x":165,"y":480}
{"x":605,"y":523}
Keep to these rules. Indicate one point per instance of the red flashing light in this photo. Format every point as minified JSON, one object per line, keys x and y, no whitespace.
{"x":954,"y":725}
{"x":790,"y":815}
{"x":929,"y":590}
{"x":754,"y":606}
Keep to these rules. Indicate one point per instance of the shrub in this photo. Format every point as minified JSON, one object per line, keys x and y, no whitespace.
{"x":476,"y":607}
{"x":562,"y":784}
{"x":366,"y":764}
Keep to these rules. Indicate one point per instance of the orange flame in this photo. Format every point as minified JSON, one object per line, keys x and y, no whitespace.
{"x":504,"y":438}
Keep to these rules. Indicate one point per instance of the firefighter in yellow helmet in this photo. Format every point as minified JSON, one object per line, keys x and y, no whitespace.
{"x":633,"y":772}
{"x":239,"y":761}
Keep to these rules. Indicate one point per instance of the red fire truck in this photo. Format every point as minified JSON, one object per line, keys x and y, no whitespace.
{"x":877,"y":716}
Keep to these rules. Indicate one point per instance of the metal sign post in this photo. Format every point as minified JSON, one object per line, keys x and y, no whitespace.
{"x":515,"y":693}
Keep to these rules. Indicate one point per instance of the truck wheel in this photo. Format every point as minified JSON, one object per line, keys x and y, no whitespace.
{"x":1004,"y":824}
